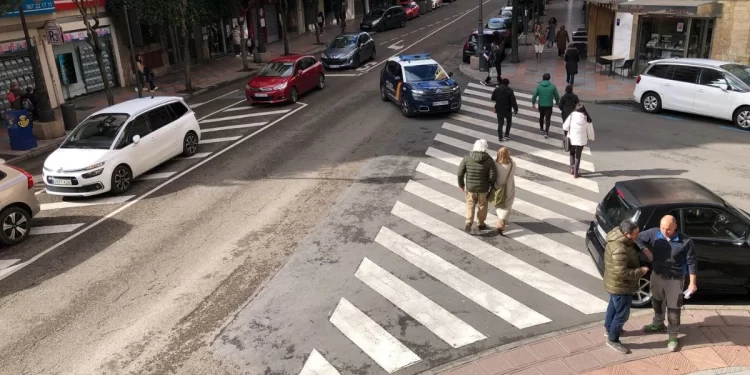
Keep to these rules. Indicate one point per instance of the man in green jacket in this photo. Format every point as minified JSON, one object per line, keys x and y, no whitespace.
{"x":545,"y":92}
{"x":622,"y":271}
{"x":479,"y":170}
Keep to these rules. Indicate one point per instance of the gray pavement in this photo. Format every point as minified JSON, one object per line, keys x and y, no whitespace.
{"x":256,"y":258}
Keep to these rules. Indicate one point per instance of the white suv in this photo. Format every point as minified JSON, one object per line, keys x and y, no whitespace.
{"x":706,"y":87}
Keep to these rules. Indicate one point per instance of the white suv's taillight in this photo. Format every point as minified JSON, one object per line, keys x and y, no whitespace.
{"x":638,"y":79}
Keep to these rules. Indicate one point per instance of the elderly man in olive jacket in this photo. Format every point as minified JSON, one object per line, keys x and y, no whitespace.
{"x":478,"y":169}
{"x":622,"y":271}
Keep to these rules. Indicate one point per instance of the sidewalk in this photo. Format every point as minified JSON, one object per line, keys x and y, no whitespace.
{"x":711,"y":338}
{"x":206,"y":77}
{"x":589,"y":85}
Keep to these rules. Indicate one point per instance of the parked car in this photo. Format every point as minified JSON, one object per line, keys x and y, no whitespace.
{"x":706,"y":87}
{"x":384,"y":19}
{"x":411,"y":8}
{"x":284,"y":79}
{"x":18,"y":204}
{"x":508,"y":13}
{"x":112,"y":147}
{"x":470,"y":47}
{"x":718,"y":230}
{"x":348,"y":50}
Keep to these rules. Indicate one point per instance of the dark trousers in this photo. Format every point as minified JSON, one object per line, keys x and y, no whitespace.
{"x":149,"y":79}
{"x":560,"y":51}
{"x":570,"y":78}
{"x":503,"y":117}
{"x":237,"y":49}
{"x":618,"y":312}
{"x":575,"y":158}
{"x":545,"y":118}
{"x":667,"y":294}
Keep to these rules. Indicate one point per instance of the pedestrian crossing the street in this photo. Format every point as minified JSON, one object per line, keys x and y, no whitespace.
{"x":542,"y":250}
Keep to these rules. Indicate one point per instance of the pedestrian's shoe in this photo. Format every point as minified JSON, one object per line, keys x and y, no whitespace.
{"x":654,"y":328}
{"x":484,"y":83}
{"x":541,"y":131}
{"x":673,"y":344}
{"x":156,"y":88}
{"x":467,"y":228}
{"x":606,"y":333}
{"x":507,"y":138}
{"x":546,"y":135}
{"x":482,"y":226}
{"x":571,"y":171}
{"x":618,"y":347}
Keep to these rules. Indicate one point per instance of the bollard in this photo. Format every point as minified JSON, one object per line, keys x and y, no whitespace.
{"x":68,"y":111}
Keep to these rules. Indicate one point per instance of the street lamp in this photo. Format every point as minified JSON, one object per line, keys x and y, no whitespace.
{"x":45,"y":112}
{"x":480,"y":37}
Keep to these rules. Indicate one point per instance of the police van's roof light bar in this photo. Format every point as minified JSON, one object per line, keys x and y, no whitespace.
{"x":421,"y":56}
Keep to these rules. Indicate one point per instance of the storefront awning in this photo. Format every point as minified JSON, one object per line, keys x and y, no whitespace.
{"x":689,"y":8}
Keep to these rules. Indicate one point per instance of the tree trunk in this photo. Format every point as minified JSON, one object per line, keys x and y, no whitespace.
{"x":344,"y":4}
{"x":97,"y":47}
{"x":284,"y":30}
{"x":186,"y":51}
{"x":514,"y":58}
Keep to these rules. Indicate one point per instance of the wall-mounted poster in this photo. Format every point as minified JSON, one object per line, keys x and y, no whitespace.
{"x":680,"y":26}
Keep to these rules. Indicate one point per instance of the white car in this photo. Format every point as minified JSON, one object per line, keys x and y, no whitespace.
{"x":705,"y":87}
{"x":113,"y":146}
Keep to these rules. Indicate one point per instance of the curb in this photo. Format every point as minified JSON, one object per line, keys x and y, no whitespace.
{"x":36,"y":152}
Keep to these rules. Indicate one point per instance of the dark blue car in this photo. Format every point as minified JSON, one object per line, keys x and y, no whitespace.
{"x":418,"y":84}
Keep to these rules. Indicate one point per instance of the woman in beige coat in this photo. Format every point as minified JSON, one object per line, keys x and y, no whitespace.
{"x":506,"y":170}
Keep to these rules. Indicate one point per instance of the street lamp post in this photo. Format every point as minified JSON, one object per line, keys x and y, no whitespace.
{"x":480,"y":37}
{"x":44,"y":109}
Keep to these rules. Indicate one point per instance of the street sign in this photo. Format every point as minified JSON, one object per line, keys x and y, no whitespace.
{"x":53,"y":33}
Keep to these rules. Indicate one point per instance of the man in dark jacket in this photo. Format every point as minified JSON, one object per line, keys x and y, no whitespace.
{"x":673,"y":256}
{"x":478,"y":169}
{"x":572,"y":57}
{"x":545,"y":92}
{"x":568,"y":102}
{"x":505,"y":101}
{"x":622,"y":271}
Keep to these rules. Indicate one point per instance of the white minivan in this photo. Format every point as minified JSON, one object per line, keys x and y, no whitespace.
{"x":706,"y":87}
{"x":113,"y":146}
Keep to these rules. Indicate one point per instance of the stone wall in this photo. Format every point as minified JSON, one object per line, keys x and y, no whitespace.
{"x":731,"y":39}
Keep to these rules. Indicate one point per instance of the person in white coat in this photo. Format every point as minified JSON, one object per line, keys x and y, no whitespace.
{"x":579,"y":129}
{"x":505,"y":180}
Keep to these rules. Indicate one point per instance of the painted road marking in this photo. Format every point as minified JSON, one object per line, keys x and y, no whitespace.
{"x":376,"y":342}
{"x":317,"y":365}
{"x":491,"y":89}
{"x":13,"y":269}
{"x":520,"y":102}
{"x":565,"y":223}
{"x":237,"y":117}
{"x":53,"y":229}
{"x":223,"y":139}
{"x":87,"y":202}
{"x":397,"y":46}
{"x":233,"y":127}
{"x":495,"y":301}
{"x":5,"y":263}
{"x":536,"y":137}
{"x":524,"y":272}
{"x":196,"y":105}
{"x":490,"y":114}
{"x":156,"y":176}
{"x":553,"y":249}
{"x":341,"y":74}
{"x":442,"y":323}
{"x":199,"y":155}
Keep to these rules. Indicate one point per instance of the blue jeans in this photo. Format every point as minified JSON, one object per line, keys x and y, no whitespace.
{"x":618,"y":312}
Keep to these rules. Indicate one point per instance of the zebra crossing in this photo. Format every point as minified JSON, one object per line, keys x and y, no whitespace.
{"x":550,"y":220}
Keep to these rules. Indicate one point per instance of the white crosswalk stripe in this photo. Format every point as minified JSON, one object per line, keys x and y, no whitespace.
{"x":548,"y":196}
{"x":316,"y":364}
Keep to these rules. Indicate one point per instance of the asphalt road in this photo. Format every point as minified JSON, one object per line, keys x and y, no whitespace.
{"x":333,"y":226}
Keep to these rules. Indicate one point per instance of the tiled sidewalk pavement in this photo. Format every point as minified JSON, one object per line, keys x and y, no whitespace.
{"x":590,"y":85}
{"x":205,"y":76}
{"x":710,"y":339}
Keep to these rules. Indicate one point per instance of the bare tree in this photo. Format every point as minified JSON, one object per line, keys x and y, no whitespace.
{"x":282,"y":20}
{"x":186,"y":51}
{"x":89,"y":10}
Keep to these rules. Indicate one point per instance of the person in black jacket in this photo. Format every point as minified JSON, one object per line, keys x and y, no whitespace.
{"x":568,"y":102}
{"x":496,"y":57}
{"x":505,"y":101}
{"x":571,"y":63}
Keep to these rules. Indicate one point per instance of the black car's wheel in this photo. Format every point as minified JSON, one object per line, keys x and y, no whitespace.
{"x":357,"y":62}
{"x":16,"y":225}
{"x":742,"y":118}
{"x":405,"y":109}
{"x":651,"y":102}
{"x":321,"y":82}
{"x":190,"y":144}
{"x":383,"y":94}
{"x":642,"y":297}
{"x":293,"y":95}
{"x":122,"y":178}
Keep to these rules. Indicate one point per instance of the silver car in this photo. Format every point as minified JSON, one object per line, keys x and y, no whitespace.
{"x":18,"y":204}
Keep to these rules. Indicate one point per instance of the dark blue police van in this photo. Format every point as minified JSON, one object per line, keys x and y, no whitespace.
{"x":418,"y":84}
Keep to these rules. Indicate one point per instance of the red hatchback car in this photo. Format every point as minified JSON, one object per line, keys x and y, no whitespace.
{"x":411,"y":8}
{"x":285,"y":78}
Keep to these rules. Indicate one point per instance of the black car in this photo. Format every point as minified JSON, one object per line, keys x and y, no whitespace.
{"x":384,"y":19}
{"x":718,"y":229}
{"x":348,"y":50}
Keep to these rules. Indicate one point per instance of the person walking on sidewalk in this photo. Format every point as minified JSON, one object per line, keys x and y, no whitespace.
{"x":145,"y":74}
{"x":495,"y":58}
{"x":237,"y":41}
{"x":571,"y":64}
{"x":546,"y":91}
{"x":539,"y":41}
{"x":622,"y":270}
{"x":505,"y":102}
{"x":561,"y":39}
{"x":321,"y":22}
{"x":480,"y":174}
{"x":506,"y":186}
{"x":579,"y":129}
{"x":672,"y":256}
{"x":568,"y":102}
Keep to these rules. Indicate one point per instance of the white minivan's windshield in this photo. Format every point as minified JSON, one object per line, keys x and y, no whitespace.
{"x":740,"y":71}
{"x":98,"y":131}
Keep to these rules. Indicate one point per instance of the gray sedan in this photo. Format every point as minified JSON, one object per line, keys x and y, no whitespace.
{"x":348,"y":50}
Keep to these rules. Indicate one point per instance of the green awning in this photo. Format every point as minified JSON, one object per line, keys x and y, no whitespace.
{"x":686,"y":8}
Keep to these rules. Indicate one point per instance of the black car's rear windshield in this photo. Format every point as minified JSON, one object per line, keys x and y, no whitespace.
{"x":486,"y":39}
{"x":615,"y":209}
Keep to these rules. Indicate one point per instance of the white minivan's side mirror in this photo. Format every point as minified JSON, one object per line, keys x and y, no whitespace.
{"x":724,"y":86}
{"x":136,"y":138}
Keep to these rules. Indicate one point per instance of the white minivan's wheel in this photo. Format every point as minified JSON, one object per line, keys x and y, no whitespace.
{"x":742,"y":118}
{"x":16,"y":225}
{"x":651,"y":102}
{"x":122,"y":178}
{"x":190,"y":144}
{"x":642,"y":297}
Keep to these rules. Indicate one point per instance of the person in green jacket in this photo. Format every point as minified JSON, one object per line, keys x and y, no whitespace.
{"x":622,"y":271}
{"x":545,"y":92}
{"x":479,"y":170}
